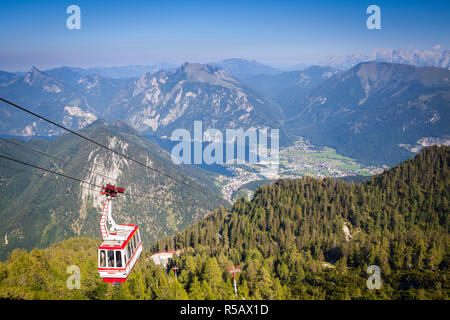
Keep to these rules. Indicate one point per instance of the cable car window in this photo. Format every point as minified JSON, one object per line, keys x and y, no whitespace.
{"x":111,"y":258}
{"x":118,"y":259}
{"x":129,"y":250}
{"x":102,"y":258}
{"x":138,"y":236}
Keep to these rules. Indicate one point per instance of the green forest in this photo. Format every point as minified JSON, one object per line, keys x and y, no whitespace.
{"x":296,"y":239}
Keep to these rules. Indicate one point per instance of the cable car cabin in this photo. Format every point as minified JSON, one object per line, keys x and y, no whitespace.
{"x":116,"y":259}
{"x":121,"y":246}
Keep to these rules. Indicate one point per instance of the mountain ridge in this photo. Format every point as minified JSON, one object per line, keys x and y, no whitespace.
{"x":151,"y":103}
{"x":376,"y":105}
{"x":239,"y":66}
{"x":414,"y":57}
{"x":343,"y":110}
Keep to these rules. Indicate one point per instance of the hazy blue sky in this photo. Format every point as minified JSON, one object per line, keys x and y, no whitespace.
{"x":274,"y":32}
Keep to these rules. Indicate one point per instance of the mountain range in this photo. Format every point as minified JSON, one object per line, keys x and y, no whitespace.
{"x":377,"y":106}
{"x":301,"y":239}
{"x":415,"y":57}
{"x":397,"y":107}
{"x":164,"y":101}
{"x":155,"y":103}
{"x":116,"y":72}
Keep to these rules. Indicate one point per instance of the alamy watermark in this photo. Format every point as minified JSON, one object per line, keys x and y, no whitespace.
{"x":374,"y":20}
{"x":251,"y":146}
{"x":374,"y":281}
{"x":74,"y":281}
{"x":74,"y":20}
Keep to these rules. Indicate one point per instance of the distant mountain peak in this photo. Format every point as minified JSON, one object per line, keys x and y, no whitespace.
{"x":65,"y":74}
{"x":34,"y":69}
{"x":37,"y":78}
{"x":124,"y":127}
{"x":192,"y":68}
{"x":117,"y":125}
{"x":238,"y":60}
{"x":413,"y":57}
{"x":98,"y":123}
{"x":208,"y":73}
{"x":34,"y":72}
{"x":386,"y":73}
{"x":238,"y":66}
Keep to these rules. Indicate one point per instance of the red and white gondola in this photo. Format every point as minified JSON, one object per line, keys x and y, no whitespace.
{"x":121,"y":246}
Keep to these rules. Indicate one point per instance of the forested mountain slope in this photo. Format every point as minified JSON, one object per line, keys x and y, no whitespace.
{"x":38,"y":208}
{"x":292,"y":231}
{"x":297,"y":239}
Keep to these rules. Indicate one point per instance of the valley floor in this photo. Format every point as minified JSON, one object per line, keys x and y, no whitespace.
{"x":296,"y":161}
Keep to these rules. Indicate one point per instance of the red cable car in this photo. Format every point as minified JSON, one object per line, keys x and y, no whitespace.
{"x":121,"y":246}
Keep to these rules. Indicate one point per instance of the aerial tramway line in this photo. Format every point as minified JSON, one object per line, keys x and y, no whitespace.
{"x":122,"y":245}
